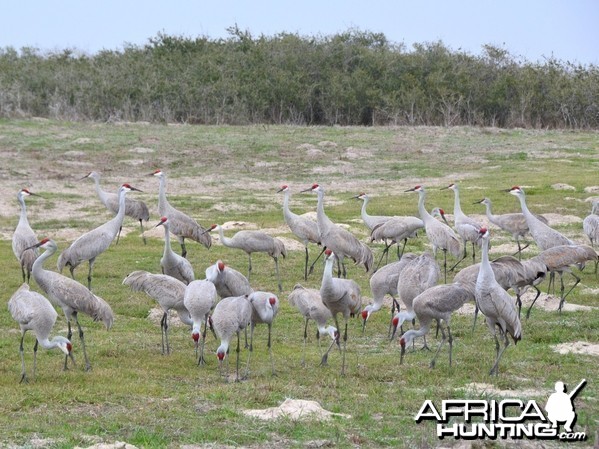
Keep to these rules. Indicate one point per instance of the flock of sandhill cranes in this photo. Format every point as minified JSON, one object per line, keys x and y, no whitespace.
{"x":414,"y":279}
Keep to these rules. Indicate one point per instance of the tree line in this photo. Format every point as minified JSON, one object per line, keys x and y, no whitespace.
{"x":351,"y":78}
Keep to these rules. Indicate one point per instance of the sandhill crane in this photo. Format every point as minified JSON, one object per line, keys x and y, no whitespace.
{"x":395,"y":230}
{"x":34,"y":312}
{"x":227,"y":280}
{"x":559,"y":259}
{"x":24,"y":238}
{"x":93,"y":243}
{"x":265,"y":306}
{"x":370,"y":221}
{"x":253,"y":242}
{"x":496,"y":304}
{"x":384,"y":282}
{"x":71,"y":296}
{"x":590,"y":225}
{"x":341,"y":242}
{"x":440,"y":235}
{"x":171,"y":263}
{"x":339,"y":296}
{"x":418,"y":275}
{"x":304,"y":229}
{"x":466,"y":227}
{"x":182,"y":225}
{"x":167,"y":291}
{"x":514,"y":223}
{"x":199,"y":299}
{"x":436,"y":303}
{"x":136,"y":209}
{"x":231,"y":315}
{"x":310,"y":305}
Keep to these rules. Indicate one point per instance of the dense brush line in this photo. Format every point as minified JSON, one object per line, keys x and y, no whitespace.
{"x":352,"y":78}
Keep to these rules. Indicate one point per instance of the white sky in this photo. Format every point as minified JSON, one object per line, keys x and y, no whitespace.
{"x":533,"y":29}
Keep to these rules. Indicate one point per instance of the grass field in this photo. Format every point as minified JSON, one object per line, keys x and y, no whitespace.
{"x":231,"y":174}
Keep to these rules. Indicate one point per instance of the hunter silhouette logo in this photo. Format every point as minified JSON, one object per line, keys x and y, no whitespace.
{"x":471,"y":419}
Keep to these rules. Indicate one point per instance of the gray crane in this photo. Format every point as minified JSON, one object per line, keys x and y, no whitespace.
{"x":440,"y":235}
{"x":231,"y":315}
{"x":514,"y":223}
{"x":252,"y":242}
{"x":339,"y":296}
{"x":559,"y":259}
{"x":384,"y":282}
{"x":436,"y":303}
{"x":71,"y":296}
{"x":370,"y":221}
{"x":466,"y":227}
{"x":496,"y":304}
{"x":590,"y":225}
{"x":168,"y":292}
{"x":199,"y":299}
{"x":309,"y":304}
{"x":418,"y":275}
{"x":304,"y":229}
{"x":136,"y":209}
{"x":227,"y":280}
{"x":35,"y":313}
{"x":182,"y":225}
{"x":93,"y":243}
{"x":172,"y":263}
{"x":343,"y":243}
{"x":396,"y":230}
{"x":24,"y":238}
{"x":265,"y":306}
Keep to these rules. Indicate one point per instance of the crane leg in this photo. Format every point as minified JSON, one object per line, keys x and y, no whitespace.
{"x":272,"y":361}
{"x":201,"y":360}
{"x":35,"y":357}
{"x":533,"y":301}
{"x":324,"y":248}
{"x":183,"y":248}
{"x":89,"y":273}
{"x":305,"y":338}
{"x":306,"y":265}
{"x":506,"y":342}
{"x":443,"y":338}
{"x":23,"y":273}
{"x":344,"y":349}
{"x":164,"y":333}
{"x":82,"y":339}
{"x":325,"y":357}
{"x":457,"y":263}
{"x":277,"y":273}
{"x":561,"y":303}
{"x":475,"y":316}
{"x":118,"y":236}
{"x":385,"y":251}
{"x":403,"y":248}
{"x":247,"y":364}
{"x":473,"y":253}
{"x":22,"y":353}
{"x":450,"y":341}
{"x":143,"y":235}
{"x":249,"y":265}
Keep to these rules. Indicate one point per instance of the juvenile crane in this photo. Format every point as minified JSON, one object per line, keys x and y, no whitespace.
{"x":71,"y":296}
{"x":496,"y":304}
{"x":93,"y":243}
{"x":339,"y":296}
{"x":252,"y":242}
{"x":136,"y":209}
{"x":440,"y":235}
{"x":168,"y":292}
{"x":309,"y":304}
{"x":341,"y":242}
{"x":231,"y":315}
{"x":265,"y":306}
{"x":172,"y":263}
{"x":199,"y":299}
{"x":227,"y":280}
{"x":35,"y":313}
{"x":304,"y":229}
{"x":182,"y":225}
{"x":24,"y":238}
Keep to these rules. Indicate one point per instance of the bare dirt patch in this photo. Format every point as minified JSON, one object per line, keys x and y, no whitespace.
{"x":577,"y":347}
{"x":295,"y":409}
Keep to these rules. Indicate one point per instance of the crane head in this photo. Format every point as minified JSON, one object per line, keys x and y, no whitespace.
{"x":272,"y":300}
{"x":314,"y":188}
{"x":27,"y":192}
{"x":417,"y":188}
{"x":284,"y":188}
{"x":361,"y":196}
{"x":43,"y":243}
{"x":453,"y":186}
{"x":196,"y":336}
{"x":328,"y":253}
{"x":483,"y":233}
{"x":516,"y":190}
{"x":159,"y":173}
{"x":220,"y":265}
{"x":163,"y":220}
{"x":129,"y":187}
{"x":221,"y":354}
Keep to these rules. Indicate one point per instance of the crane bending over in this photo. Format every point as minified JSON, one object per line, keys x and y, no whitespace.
{"x":227,"y":280}
{"x":168,"y":292}
{"x":496,"y":304}
{"x":172,"y":263}
{"x":182,"y":225}
{"x":35,"y":313}
{"x":436,"y":303}
{"x":339,"y":296}
{"x":265,"y":306}
{"x":308,"y":302}
{"x":231,"y":315}
{"x":93,"y":243}
{"x":24,"y":238}
{"x":341,"y":242}
{"x":304,"y":229}
{"x":440,"y":235}
{"x":71,"y":296}
{"x":199,"y":299}
{"x":252,"y":242}
{"x":395,"y":230}
{"x":136,"y":209}
{"x":466,"y":227}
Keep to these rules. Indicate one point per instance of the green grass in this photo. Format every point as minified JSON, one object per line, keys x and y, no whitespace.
{"x":135,"y":394}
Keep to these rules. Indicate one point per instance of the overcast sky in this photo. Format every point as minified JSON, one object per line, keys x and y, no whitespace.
{"x":534,"y":29}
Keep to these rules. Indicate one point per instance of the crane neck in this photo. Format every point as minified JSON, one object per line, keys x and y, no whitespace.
{"x":523,"y":205}
{"x":457,"y":208}
{"x":485,"y":270}
{"x":364,"y":214}
{"x":38,"y":265}
{"x":328,"y":330}
{"x":489,"y":212}
{"x":49,"y":344}
{"x":413,"y":333}
{"x":421,"y":209}
{"x":167,"y":239}
{"x":286,"y":211}
{"x":406,"y":315}
{"x":327,"y":275}
{"x":323,"y":221}
{"x":224,"y":240}
{"x":121,"y":212}
{"x":162,"y":192}
{"x":23,"y":217}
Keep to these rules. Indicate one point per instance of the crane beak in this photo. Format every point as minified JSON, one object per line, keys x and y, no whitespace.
{"x":306,"y":190}
{"x":410,"y":190}
{"x":401,"y":354}
{"x":280,"y":190}
{"x":478,"y":202}
{"x":37,"y":245}
{"x":135,"y":189}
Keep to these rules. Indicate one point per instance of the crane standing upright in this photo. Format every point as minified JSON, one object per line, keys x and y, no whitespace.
{"x":172,"y":263}
{"x":24,"y":238}
{"x":199,"y":299}
{"x":227,"y":280}
{"x":265,"y":306}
